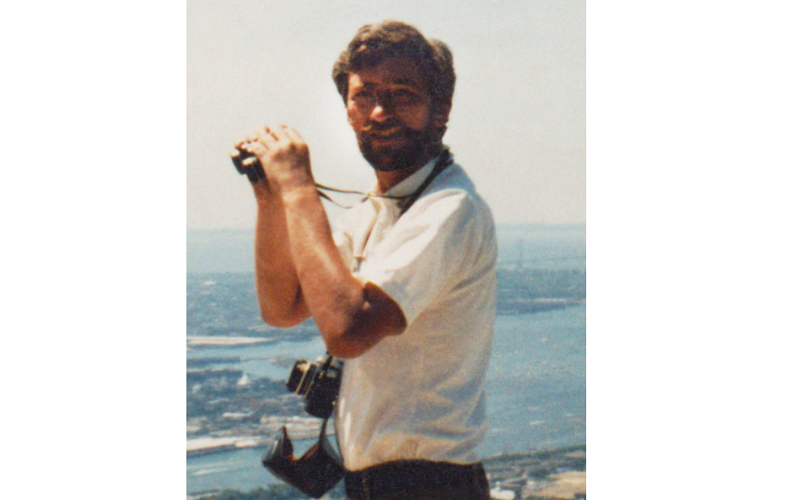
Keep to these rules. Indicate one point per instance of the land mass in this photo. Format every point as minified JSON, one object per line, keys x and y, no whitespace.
{"x":225,"y":304}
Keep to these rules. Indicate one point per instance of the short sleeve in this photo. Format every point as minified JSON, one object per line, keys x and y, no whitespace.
{"x":431,"y":248}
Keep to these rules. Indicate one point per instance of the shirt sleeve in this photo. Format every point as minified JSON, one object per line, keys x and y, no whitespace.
{"x":432,"y":248}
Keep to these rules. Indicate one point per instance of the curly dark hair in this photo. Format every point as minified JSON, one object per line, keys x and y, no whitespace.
{"x":374,"y":43}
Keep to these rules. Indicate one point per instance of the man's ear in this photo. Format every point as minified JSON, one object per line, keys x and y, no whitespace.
{"x":346,"y":107}
{"x":441,"y":115}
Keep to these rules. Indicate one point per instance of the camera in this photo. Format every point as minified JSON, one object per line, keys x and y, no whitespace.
{"x":318,"y":382}
{"x":247,"y":164}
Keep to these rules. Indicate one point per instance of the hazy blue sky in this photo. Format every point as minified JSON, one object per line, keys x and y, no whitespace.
{"x":517,"y":124}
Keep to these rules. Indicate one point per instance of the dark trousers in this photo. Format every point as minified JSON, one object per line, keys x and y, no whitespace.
{"x":418,"y":480}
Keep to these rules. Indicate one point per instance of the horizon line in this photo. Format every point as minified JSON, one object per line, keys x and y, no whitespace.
{"x":497,"y":224}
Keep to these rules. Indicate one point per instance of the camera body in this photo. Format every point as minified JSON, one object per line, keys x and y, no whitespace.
{"x":318,"y":382}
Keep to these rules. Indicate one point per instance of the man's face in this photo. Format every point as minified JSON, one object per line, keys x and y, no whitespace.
{"x":389,"y":108}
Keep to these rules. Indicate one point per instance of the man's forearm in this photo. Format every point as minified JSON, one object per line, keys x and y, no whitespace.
{"x":351,"y":317}
{"x":277,"y":285}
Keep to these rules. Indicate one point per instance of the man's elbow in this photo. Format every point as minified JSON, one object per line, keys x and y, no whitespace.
{"x":283,"y":318}
{"x":345,"y":349}
{"x":349,"y":332}
{"x":280,"y":321}
{"x":354,"y":342}
{"x":281,"y":310}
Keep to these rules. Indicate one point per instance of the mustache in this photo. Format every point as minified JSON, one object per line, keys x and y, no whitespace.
{"x":386,"y":126}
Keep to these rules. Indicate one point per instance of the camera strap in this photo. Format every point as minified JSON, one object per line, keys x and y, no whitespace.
{"x":444,"y":160}
{"x":247,"y":164}
{"x":318,"y":470}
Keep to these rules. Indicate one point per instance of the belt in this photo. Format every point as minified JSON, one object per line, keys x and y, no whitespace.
{"x":412,"y":476}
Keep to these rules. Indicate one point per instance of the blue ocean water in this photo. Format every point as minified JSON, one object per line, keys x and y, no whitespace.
{"x":536,"y":385}
{"x":542,"y":247}
{"x":536,"y":394}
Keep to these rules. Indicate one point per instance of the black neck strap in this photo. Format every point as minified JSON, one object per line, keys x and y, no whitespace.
{"x":444,"y":160}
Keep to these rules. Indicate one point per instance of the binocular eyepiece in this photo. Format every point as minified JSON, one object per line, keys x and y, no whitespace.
{"x":247,"y":164}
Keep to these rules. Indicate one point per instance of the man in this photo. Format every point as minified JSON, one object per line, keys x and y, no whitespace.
{"x":404,"y":291}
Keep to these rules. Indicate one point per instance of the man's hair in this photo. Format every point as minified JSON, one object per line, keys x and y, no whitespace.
{"x":374,"y":43}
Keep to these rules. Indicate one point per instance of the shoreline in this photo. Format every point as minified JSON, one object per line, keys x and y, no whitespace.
{"x":299,"y":428}
{"x":220,"y":341}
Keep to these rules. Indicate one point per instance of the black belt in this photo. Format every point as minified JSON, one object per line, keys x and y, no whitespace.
{"x":411,"y":476}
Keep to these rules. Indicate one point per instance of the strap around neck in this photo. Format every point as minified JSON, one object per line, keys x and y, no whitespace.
{"x":444,"y":160}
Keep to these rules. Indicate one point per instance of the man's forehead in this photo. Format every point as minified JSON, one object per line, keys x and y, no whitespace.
{"x":393,"y":71}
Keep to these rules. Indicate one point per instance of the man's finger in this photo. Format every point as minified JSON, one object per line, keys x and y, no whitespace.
{"x":268,"y":137}
{"x":257,"y":148}
{"x":291,"y":134}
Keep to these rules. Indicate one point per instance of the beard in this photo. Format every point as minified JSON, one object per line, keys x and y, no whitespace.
{"x":414,"y":148}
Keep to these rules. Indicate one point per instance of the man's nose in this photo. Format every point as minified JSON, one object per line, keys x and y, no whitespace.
{"x":383,"y":108}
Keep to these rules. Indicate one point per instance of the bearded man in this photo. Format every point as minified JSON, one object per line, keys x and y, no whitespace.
{"x":404,"y":289}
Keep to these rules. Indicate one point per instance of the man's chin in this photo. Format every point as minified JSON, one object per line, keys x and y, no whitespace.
{"x":384,"y":161}
{"x":387,"y":157}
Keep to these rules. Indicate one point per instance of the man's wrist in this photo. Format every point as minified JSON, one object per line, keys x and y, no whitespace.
{"x":298,"y":194}
{"x":295,"y":179}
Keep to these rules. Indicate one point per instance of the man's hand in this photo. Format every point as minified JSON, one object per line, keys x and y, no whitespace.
{"x":284,"y":157}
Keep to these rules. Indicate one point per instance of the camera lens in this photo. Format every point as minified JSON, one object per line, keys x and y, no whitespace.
{"x":296,"y":376}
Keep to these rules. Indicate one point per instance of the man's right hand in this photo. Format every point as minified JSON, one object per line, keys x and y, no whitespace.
{"x":258,"y":180}
{"x":284,"y":157}
{"x":247,"y":164}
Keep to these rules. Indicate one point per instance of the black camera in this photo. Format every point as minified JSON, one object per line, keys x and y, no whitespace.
{"x":247,"y":164}
{"x":319,"y":382}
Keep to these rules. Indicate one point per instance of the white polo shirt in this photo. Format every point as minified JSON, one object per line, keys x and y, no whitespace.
{"x":420,"y":395}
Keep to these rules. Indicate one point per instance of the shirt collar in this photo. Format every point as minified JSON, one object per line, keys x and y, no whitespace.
{"x":413,"y":182}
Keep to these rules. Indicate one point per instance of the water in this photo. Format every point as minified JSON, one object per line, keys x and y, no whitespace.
{"x":255,"y":359}
{"x":536,"y":390}
{"x":543,"y":247}
{"x":536,"y":385}
{"x":239,"y":470}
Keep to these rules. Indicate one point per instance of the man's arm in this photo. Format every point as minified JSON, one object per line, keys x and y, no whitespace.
{"x":352,"y":317}
{"x":277,"y":285}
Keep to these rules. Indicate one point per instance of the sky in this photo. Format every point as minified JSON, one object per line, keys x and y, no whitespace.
{"x":518,"y":123}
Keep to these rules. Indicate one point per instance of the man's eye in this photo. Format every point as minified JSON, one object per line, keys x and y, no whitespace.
{"x":363,"y":96}
{"x":405,"y":96}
